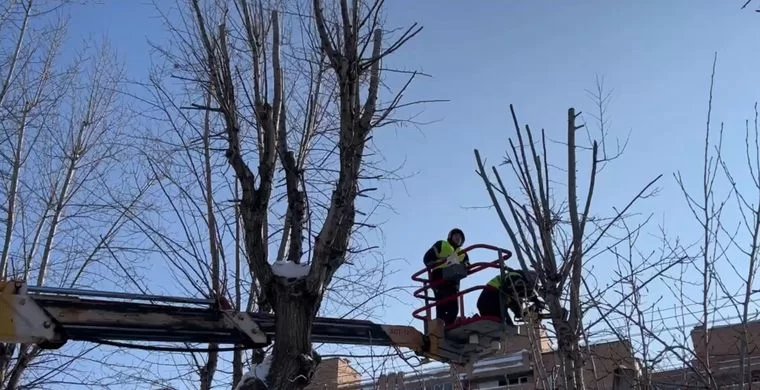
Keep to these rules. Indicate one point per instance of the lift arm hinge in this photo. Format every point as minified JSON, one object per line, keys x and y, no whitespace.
{"x":21,"y":319}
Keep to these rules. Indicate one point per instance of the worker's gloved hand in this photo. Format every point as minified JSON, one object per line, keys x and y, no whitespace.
{"x":452,"y":259}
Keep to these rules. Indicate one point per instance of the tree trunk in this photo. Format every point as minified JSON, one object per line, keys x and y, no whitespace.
{"x":568,"y":353}
{"x":293,"y":361}
{"x":237,"y":366}
{"x":209,"y":369}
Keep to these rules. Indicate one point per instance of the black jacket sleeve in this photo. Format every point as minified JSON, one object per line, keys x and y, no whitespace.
{"x":430,"y":256}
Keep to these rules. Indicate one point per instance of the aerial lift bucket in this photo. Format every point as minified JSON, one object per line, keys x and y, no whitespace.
{"x":469,"y":339}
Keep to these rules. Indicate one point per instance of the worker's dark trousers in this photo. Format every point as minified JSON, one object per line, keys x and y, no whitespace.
{"x":447,"y":311}
{"x":489,"y":305}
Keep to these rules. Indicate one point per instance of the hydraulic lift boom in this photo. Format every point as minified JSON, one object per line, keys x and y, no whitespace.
{"x":50,"y":317}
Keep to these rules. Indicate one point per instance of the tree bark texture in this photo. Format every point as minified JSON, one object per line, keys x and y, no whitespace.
{"x":293,"y":361}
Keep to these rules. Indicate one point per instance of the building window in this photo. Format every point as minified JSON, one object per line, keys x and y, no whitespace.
{"x":515,"y":380}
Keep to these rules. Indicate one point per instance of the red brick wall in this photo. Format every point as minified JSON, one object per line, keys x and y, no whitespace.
{"x":333,"y":374}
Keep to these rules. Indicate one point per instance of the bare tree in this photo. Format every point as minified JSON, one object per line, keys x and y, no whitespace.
{"x":659,"y":341}
{"x":294,"y":102}
{"x":715,"y":281}
{"x":210,"y":261}
{"x":556,"y":238}
{"x":63,"y":170}
{"x":729,"y":222}
{"x":748,"y":244}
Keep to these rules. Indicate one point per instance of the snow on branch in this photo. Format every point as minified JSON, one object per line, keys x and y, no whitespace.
{"x":289,"y":269}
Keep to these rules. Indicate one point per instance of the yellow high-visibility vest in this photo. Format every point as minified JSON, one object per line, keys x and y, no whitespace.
{"x":496,"y":282}
{"x":447,"y":250}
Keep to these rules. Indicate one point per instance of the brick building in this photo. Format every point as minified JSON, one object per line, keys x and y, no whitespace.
{"x":724,"y":348}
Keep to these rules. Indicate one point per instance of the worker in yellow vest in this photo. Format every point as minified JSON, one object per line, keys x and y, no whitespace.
{"x":446,"y":261}
{"x":517,"y":286}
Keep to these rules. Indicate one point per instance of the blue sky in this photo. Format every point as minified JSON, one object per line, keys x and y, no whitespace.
{"x":540,"y":57}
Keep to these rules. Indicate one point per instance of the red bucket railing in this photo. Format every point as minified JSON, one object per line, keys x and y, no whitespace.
{"x":422,"y":292}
